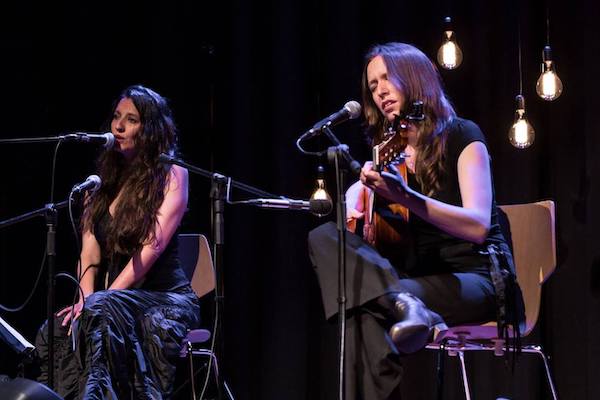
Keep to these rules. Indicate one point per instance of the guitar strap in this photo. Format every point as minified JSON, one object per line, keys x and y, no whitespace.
{"x":507,"y":307}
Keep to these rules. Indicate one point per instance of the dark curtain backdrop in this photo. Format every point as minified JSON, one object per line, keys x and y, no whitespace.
{"x":245,"y":79}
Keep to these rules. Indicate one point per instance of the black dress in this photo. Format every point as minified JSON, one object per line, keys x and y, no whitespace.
{"x":126,"y":340}
{"x":448,"y":274}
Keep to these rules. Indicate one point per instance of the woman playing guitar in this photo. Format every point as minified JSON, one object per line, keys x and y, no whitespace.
{"x":436,"y":271}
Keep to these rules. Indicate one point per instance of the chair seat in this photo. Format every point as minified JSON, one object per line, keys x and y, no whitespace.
{"x":195,"y":336}
{"x":486,"y":331}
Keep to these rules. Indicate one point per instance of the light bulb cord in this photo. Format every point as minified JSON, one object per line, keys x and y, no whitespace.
{"x":520,"y":59}
{"x":547,"y":24}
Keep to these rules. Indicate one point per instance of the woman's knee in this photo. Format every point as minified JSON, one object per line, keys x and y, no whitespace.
{"x":96,"y":300}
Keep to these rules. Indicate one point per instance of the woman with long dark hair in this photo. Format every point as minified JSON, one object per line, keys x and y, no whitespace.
{"x":441,"y":276}
{"x":137,"y":303}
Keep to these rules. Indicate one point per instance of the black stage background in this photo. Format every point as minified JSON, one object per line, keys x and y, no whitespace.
{"x":269,"y":70}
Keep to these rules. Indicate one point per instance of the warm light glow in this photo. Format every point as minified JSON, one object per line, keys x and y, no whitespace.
{"x":521,"y":134}
{"x":449,"y":55}
{"x":549,"y":86}
{"x":520,"y":131}
{"x":320,"y":192}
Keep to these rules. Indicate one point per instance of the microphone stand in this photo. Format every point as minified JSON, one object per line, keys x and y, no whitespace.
{"x":47,"y":139}
{"x":336,"y":154}
{"x":218,"y":195}
{"x":50,"y":212}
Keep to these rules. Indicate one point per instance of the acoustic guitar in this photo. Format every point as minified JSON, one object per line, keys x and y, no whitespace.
{"x":390,"y":220}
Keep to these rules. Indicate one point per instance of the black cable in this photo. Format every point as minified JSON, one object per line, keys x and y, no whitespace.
{"x":75,"y":231}
{"x":39,"y":276}
{"x":35,"y":285}
{"x":72,"y":279}
{"x":52,"y":178}
{"x":310,"y":153}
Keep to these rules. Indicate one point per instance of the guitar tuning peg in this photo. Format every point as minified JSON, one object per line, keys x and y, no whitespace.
{"x":416,"y":112}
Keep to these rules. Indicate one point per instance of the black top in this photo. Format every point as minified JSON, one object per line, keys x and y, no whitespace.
{"x":165,"y":275}
{"x":435,"y":250}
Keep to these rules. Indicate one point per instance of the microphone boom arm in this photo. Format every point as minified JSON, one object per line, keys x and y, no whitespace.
{"x":165,"y":158}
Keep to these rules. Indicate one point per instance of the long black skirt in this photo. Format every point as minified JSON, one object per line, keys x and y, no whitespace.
{"x":123,"y":346}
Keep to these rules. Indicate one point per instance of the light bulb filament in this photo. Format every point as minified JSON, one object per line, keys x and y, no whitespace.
{"x":449,"y":55}
{"x":549,"y":84}
{"x":521,"y":131}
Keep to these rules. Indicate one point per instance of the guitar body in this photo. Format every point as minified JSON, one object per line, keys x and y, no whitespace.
{"x":390,"y":221}
{"x":390,"y":224}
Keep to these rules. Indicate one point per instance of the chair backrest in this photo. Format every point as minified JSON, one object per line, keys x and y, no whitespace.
{"x":196,"y":261}
{"x":534,"y":250}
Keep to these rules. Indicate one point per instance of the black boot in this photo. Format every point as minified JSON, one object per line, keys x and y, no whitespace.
{"x":416,"y":324}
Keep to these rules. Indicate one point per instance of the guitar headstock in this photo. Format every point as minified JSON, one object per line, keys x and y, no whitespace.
{"x":391,"y":149}
{"x":388,"y":151}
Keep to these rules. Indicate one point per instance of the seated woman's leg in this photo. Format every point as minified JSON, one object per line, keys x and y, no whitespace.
{"x":425,"y":304}
{"x":104,"y":344}
{"x":458,"y":298}
{"x":368,"y":274}
{"x":66,"y":367}
{"x":112,"y":339}
{"x":161,"y":332}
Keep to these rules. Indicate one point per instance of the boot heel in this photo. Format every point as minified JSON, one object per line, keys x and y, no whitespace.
{"x":416,"y":324}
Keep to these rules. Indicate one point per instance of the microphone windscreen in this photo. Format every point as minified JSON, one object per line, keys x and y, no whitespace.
{"x":353,"y":108}
{"x":110,"y":140}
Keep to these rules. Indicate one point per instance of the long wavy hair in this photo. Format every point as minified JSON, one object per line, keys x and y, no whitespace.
{"x":140,"y":183}
{"x":417,"y":78}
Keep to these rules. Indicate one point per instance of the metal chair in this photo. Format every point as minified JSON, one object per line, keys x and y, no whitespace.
{"x":534,"y":250}
{"x":196,"y":261}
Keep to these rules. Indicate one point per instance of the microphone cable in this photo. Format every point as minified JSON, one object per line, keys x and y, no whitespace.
{"x":43,"y":263}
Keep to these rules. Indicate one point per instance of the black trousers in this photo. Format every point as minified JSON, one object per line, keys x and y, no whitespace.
{"x":373,"y":369}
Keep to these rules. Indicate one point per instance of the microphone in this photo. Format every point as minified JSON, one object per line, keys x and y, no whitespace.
{"x":91,"y":183}
{"x":315,"y":206}
{"x":106,"y":139}
{"x":350,"y":110}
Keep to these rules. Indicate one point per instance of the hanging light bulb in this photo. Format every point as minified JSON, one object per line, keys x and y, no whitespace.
{"x":549,"y":86}
{"x":320,"y":199}
{"x":449,"y":56}
{"x":521,"y":134}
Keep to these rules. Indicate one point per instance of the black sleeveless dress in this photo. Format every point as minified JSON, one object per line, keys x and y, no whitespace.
{"x":126,"y":340}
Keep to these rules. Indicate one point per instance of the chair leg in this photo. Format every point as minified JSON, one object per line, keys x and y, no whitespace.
{"x":538,"y":350}
{"x":229,"y":394}
{"x":461,"y":356}
{"x":212,"y":365}
{"x":439,"y":384}
{"x":192,"y":375}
